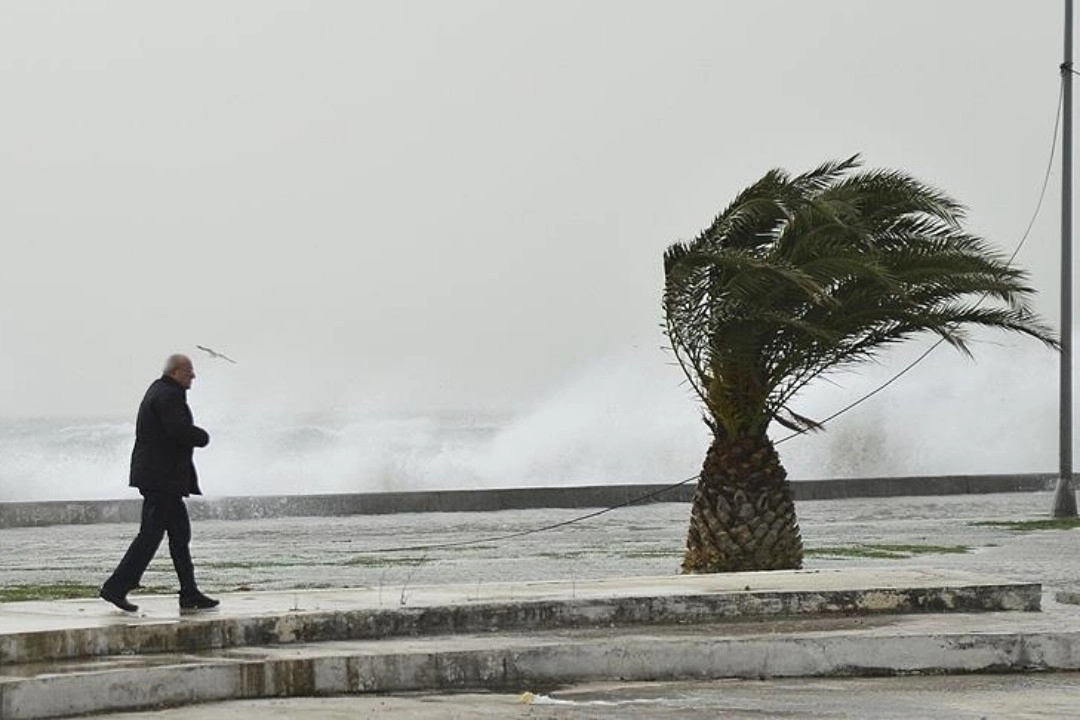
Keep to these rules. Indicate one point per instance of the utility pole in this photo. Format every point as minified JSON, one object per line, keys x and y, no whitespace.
{"x":1064,"y":495}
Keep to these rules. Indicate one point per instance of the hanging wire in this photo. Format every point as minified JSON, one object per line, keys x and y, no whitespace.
{"x":533,"y":531}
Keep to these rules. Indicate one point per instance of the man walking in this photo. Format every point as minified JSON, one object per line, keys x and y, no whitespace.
{"x":161,"y":467}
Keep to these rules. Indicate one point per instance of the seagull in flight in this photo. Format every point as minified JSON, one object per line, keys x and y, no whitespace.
{"x":216,"y":355}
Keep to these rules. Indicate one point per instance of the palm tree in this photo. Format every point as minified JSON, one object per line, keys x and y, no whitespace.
{"x":797,"y":277}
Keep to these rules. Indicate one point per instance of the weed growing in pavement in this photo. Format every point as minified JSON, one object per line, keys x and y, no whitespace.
{"x":64,"y":590}
{"x":1031,"y":525}
{"x":886,"y":551}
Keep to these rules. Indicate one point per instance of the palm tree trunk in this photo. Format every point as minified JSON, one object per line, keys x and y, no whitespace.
{"x":743,"y":516}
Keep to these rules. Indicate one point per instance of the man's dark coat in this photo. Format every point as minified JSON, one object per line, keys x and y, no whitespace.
{"x":165,"y":440}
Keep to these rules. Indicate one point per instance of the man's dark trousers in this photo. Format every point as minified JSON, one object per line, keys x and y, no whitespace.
{"x":161,"y":513}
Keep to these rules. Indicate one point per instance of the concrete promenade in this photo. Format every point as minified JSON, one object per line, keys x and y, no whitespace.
{"x":66,"y":658}
{"x":948,"y":532}
{"x":51,"y":631}
{"x":554,"y":613}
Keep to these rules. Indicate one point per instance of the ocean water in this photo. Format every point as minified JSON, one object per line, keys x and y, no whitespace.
{"x":58,"y":458}
{"x":620,"y":421}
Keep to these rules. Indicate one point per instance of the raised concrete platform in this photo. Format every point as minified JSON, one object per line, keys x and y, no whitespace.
{"x":75,"y":657}
{"x":880,"y":645}
{"x":33,"y":632}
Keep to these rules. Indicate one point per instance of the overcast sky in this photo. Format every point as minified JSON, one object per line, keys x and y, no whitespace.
{"x":453,"y":205}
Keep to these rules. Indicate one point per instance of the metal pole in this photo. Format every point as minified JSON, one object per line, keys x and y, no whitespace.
{"x":1064,"y":495}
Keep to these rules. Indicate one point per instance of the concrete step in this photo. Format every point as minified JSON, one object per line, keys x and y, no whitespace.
{"x":809,"y":647}
{"x":36,"y":632}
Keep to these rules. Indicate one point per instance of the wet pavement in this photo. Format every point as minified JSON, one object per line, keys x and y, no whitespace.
{"x":558,"y":671}
{"x":59,"y":630}
{"x":380,"y":551}
{"x":970,"y":697}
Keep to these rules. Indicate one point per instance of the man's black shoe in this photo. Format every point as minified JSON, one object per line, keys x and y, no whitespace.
{"x":197,"y":602}
{"x":118,"y":599}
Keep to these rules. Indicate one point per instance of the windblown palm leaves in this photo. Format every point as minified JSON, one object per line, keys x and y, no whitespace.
{"x":803,"y":275}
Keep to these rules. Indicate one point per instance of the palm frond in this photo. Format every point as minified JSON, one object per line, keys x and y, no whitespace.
{"x":806,"y":274}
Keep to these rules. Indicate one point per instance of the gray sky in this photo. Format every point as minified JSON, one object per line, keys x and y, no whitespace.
{"x":451,"y":204}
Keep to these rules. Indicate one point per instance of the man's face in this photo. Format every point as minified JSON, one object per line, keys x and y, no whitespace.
{"x":184,"y":374}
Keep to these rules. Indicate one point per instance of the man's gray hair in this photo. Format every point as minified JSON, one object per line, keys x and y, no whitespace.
{"x":174,"y":361}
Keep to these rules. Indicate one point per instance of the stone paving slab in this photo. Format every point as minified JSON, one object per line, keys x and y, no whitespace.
{"x":1072,"y":598}
{"x":816,"y":647}
{"x":33,"y":632}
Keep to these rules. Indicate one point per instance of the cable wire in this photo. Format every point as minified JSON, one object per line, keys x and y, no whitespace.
{"x":533,"y":531}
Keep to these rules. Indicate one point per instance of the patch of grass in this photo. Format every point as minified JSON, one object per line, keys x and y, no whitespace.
{"x":355,"y":560}
{"x":645,"y":554}
{"x":567,"y":555}
{"x":886,"y":551}
{"x":1031,"y":525}
{"x":860,"y":552}
{"x":925,"y":549}
{"x":256,"y":564}
{"x":468,"y":548}
{"x":52,"y":591}
{"x":382,"y":561}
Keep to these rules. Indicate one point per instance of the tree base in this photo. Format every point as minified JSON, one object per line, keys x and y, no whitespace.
{"x":743,"y":516}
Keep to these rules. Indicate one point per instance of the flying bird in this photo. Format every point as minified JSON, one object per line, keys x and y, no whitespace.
{"x":216,"y":355}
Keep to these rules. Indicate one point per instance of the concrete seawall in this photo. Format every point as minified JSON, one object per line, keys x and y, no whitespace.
{"x":75,"y":512}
